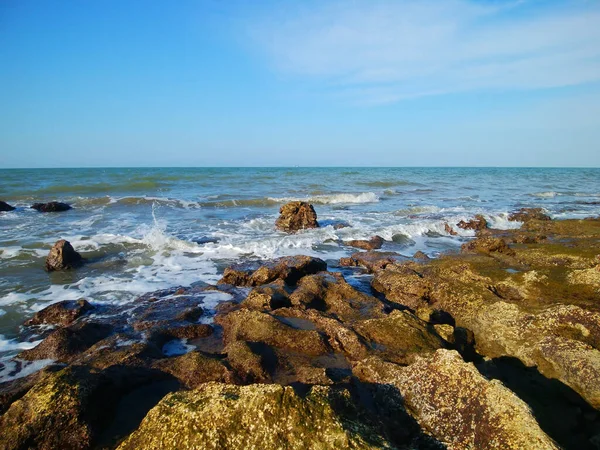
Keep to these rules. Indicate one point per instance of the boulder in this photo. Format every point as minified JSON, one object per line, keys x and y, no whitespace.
{"x":477,"y":224}
{"x":268,"y":297}
{"x":372,"y":244}
{"x":195,"y":368}
{"x":488,"y":244}
{"x":63,"y":256}
{"x":295,"y":216}
{"x":258,"y":416}
{"x":371,"y":261}
{"x":457,"y":405}
{"x":247,"y":364}
{"x":403,"y":284}
{"x":61,"y":313}
{"x":51,"y":207}
{"x":289,"y":269}
{"x":5,"y":207}
{"x":527,"y":214}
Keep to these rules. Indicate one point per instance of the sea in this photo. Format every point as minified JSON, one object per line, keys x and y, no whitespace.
{"x":145,"y":229}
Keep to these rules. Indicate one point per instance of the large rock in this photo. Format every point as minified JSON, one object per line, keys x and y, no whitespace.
{"x":295,"y":216}
{"x":5,"y":207}
{"x":528,"y":214}
{"x":289,"y":269}
{"x":458,"y":406}
{"x":51,"y":207}
{"x":63,"y":256}
{"x":371,"y":244}
{"x":264,"y":416}
{"x":61,"y":313}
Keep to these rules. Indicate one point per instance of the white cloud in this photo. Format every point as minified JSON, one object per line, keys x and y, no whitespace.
{"x":383,"y":51}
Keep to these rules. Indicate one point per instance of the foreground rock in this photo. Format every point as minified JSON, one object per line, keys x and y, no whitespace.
{"x":453,"y":402}
{"x":61,"y":313}
{"x":63,"y":256}
{"x":289,"y":269}
{"x":295,"y":216}
{"x":51,"y":207}
{"x":5,"y":207}
{"x":266,"y":416}
{"x":372,"y":244}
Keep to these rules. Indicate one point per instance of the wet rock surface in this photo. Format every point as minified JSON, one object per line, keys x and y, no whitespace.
{"x":296,"y":216}
{"x":62,"y":256}
{"x":371,"y":244}
{"x":496,"y":347}
{"x":5,"y":207}
{"x":478,"y":223}
{"x":51,"y":207}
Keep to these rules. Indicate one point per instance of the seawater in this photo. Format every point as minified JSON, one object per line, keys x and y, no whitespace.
{"x":153,"y":228}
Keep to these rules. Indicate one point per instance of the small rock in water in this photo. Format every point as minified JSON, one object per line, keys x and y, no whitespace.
{"x":296,"y":216}
{"x":63,"y":256}
{"x":51,"y":207}
{"x":372,"y":244}
{"x":478,"y":223}
{"x":5,"y":207}
{"x":449,"y":230}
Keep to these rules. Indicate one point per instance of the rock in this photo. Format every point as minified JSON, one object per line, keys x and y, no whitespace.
{"x":458,"y":406}
{"x":372,"y":244}
{"x":195,"y":368}
{"x":449,"y":230}
{"x":257,"y":416}
{"x":13,"y":390}
{"x":255,"y":326}
{"x":247,"y":364}
{"x":268,"y":297}
{"x":62,"y":256}
{"x":399,"y":337}
{"x":5,"y":207}
{"x":477,"y":224}
{"x":488,"y":244}
{"x":528,"y":238}
{"x":403,"y":239}
{"x":67,"y":343}
{"x":422,"y":256}
{"x":404,"y":285}
{"x":330,"y":293}
{"x":289,"y":269}
{"x":61,"y":313}
{"x":372,"y":261}
{"x":51,"y":207}
{"x":295,"y":216}
{"x":527,"y":214}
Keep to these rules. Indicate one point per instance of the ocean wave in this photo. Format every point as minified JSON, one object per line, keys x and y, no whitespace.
{"x":426,"y":209}
{"x":160,"y":201}
{"x":549,"y":194}
{"x":385,"y":183}
{"x":332,"y":199}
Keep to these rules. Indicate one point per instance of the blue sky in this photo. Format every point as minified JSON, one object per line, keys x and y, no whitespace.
{"x":315,"y":83}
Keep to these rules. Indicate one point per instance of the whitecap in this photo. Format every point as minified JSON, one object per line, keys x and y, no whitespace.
{"x":332,"y":199}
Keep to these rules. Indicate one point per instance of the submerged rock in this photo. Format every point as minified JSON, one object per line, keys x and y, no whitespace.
{"x":63,"y":256}
{"x":295,"y":216}
{"x":5,"y":207}
{"x":477,"y":224}
{"x":51,"y":207}
{"x":60,"y":313}
{"x":372,"y":244}
{"x":458,"y":406}
{"x":271,"y":416}
{"x":527,"y":214}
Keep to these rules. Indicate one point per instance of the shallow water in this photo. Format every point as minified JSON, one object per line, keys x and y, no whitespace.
{"x":148,"y":229}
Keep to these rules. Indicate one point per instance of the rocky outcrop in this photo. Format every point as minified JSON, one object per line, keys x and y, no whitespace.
{"x":477,"y":224}
{"x":488,"y":244}
{"x":403,"y":284}
{"x":61,"y":313}
{"x":289,"y":269}
{"x":63,"y":256}
{"x":5,"y":207}
{"x":268,"y":297}
{"x":528,"y":214}
{"x":295,"y":216}
{"x":51,"y":207}
{"x":259,"y":416}
{"x":371,"y":244}
{"x":194,"y":368}
{"x":458,"y":406}
{"x":371,"y":261}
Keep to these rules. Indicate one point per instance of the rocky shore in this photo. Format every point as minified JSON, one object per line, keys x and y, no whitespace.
{"x":494,"y":347}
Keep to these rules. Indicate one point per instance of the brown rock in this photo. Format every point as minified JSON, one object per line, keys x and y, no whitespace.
{"x":403,"y":284}
{"x":372,"y":244}
{"x":62,"y":256}
{"x":296,"y":216}
{"x":488,"y":244}
{"x":61,"y":313}
{"x":527,"y":214}
{"x":449,"y":230}
{"x":5,"y":207}
{"x":51,"y":207}
{"x":247,"y":364}
{"x":479,"y":223}
{"x":268,"y":297}
{"x":372,"y":261}
{"x":195,"y":368}
{"x":422,"y":256}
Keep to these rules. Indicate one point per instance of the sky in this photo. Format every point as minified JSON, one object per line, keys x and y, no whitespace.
{"x":312,"y":83}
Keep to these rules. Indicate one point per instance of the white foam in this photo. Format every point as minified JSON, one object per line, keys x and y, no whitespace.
{"x":332,"y":199}
{"x":177,"y":347}
{"x":549,"y":194}
{"x":500,"y":222}
{"x":27,"y":368}
{"x":7,"y":345}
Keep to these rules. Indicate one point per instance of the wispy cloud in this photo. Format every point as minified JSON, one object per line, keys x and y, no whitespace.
{"x":382,"y":51}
